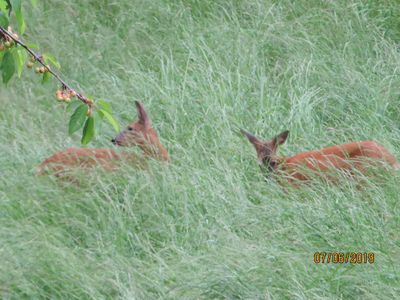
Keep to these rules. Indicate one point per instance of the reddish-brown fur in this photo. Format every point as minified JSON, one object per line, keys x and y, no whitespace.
{"x":139,"y":133}
{"x":352,"y":156}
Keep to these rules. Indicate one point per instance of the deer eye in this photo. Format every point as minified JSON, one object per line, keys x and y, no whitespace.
{"x":130,"y":128}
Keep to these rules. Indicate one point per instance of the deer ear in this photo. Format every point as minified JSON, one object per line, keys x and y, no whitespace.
{"x":142,"y":114}
{"x":252,"y":138}
{"x":281,"y":138}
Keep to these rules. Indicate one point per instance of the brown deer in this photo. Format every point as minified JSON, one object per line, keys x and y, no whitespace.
{"x":352,"y":156}
{"x":140,"y":133}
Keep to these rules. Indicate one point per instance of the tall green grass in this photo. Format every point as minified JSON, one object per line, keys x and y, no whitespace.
{"x":207,"y":225}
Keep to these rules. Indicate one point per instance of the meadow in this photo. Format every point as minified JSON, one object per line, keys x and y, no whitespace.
{"x":207,"y":225}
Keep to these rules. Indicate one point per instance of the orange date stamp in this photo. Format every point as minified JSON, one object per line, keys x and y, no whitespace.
{"x":344,"y":257}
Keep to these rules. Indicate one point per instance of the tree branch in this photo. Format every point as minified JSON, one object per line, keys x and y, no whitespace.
{"x":39,"y":59}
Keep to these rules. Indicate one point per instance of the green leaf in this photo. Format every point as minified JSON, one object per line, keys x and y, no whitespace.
{"x":3,"y":18}
{"x":100,"y":113}
{"x":8,"y":6}
{"x":50,"y":58}
{"x":34,"y":3}
{"x":19,"y":58}
{"x":110,"y":119}
{"x":46,"y":77}
{"x":77,"y":118}
{"x":73,"y":105}
{"x":105,"y":105}
{"x":7,"y":67}
{"x":3,"y":6}
{"x":88,"y":131}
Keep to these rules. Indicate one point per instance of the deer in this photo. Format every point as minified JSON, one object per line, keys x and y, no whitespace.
{"x":351,"y":157}
{"x":139,"y":133}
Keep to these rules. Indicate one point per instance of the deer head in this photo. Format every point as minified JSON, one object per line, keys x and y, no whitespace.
{"x":266,"y":150}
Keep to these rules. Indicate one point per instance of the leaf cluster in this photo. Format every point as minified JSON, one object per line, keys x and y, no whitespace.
{"x":14,"y":55}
